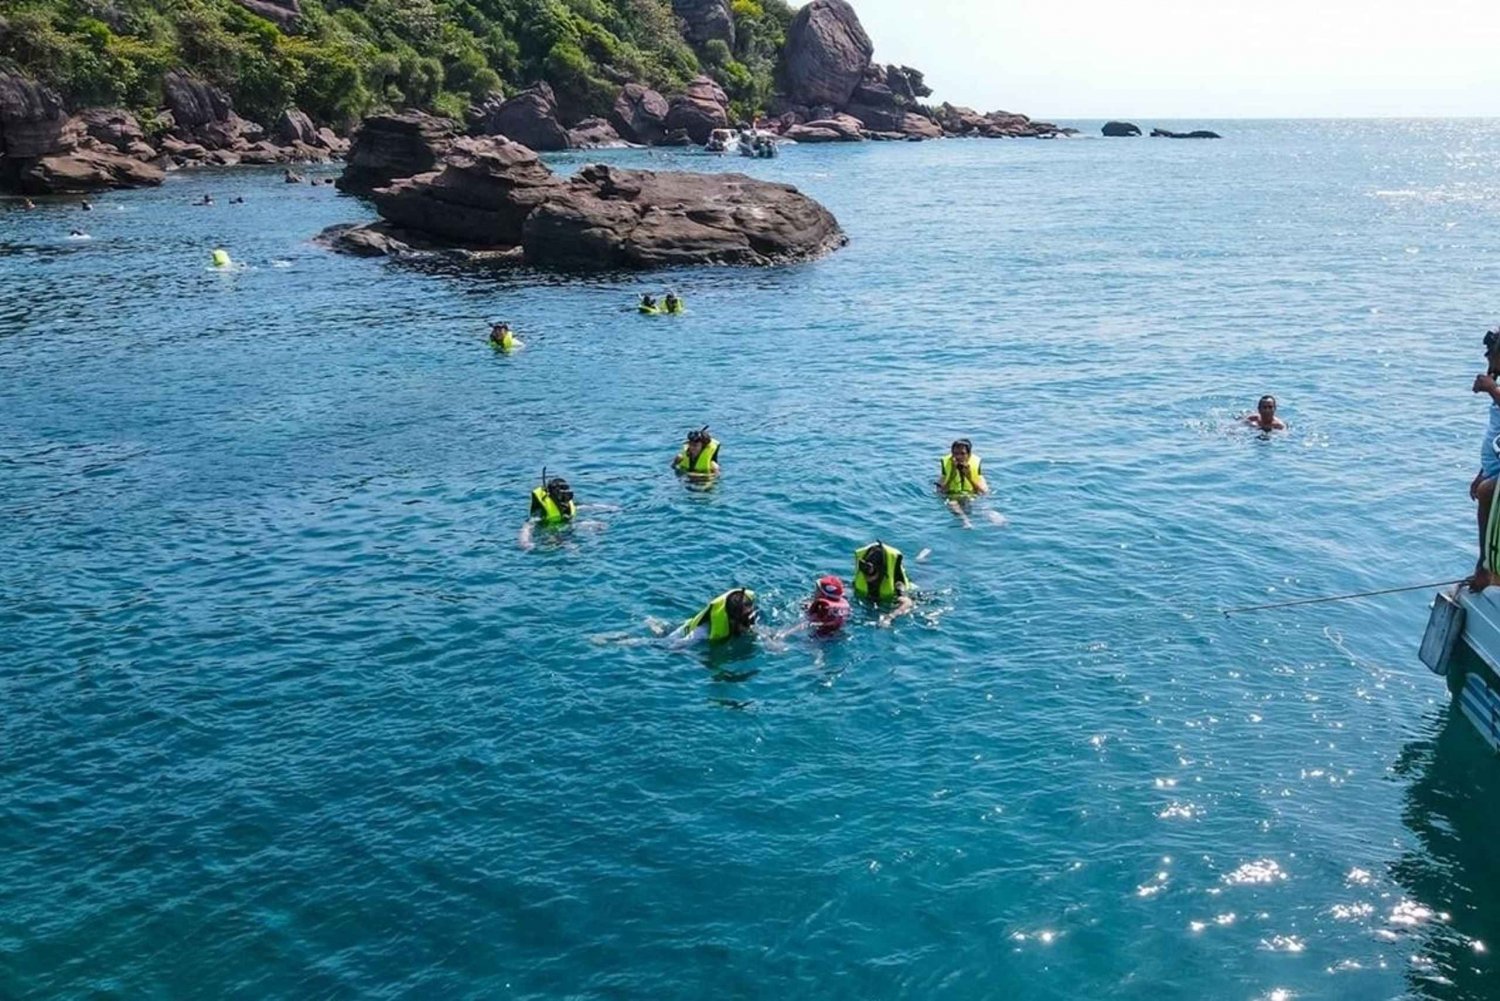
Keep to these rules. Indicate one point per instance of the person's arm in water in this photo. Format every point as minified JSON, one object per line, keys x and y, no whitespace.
{"x":524,"y":539}
{"x":904,"y":606}
{"x":904,"y":603}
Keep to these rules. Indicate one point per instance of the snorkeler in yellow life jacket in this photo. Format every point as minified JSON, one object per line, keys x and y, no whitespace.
{"x":502,"y":339}
{"x":961,"y":472}
{"x":699,"y":457}
{"x":880,"y":577}
{"x":729,"y":615}
{"x":552,"y":502}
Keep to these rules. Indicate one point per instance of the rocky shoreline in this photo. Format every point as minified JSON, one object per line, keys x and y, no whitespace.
{"x":834,"y":92}
{"x":44,"y":150}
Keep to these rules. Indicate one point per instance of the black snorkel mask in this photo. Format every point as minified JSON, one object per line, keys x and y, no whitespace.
{"x":699,"y":437}
{"x":741,"y":609}
{"x":557,"y":488}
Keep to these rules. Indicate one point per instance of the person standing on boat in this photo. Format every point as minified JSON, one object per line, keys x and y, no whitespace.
{"x":1482,"y":489}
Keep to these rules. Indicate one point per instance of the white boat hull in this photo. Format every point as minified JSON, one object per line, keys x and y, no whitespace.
{"x":1462,"y":643}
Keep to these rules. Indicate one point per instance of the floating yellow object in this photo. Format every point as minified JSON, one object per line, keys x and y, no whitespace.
{"x":221,"y":259}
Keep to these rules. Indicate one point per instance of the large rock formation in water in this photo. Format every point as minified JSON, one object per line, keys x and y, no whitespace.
{"x":480,"y":197}
{"x":491,"y":197}
{"x":611,"y":218}
{"x":827,"y":52}
{"x":395,"y":145}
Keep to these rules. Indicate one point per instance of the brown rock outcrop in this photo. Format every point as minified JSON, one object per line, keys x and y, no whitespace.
{"x":480,"y":197}
{"x":529,"y":118}
{"x":838,"y":128}
{"x":594,"y":133}
{"x":703,"y":108}
{"x":282,"y":12}
{"x":32,"y":118}
{"x":640,"y":115}
{"x":491,"y":196}
{"x":391,"y":146}
{"x":827,"y":52}
{"x":611,"y":218}
{"x":705,"y":20}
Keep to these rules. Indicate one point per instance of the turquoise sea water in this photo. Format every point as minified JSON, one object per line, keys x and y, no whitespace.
{"x":285,"y":711}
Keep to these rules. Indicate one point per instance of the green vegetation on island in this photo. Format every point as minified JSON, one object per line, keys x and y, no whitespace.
{"x":339,"y":59}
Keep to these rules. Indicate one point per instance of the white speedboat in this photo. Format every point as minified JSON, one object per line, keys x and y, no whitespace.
{"x":1462,"y":643}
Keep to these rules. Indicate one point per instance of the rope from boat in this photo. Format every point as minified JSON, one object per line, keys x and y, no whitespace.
{"x":1339,"y":597}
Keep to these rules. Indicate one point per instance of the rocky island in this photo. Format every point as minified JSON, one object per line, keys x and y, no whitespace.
{"x":493,"y":199}
{"x":89,"y":103}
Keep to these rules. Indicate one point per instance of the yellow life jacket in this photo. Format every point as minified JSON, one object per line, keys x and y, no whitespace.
{"x":716,"y":613}
{"x":704,"y":466}
{"x":547,"y":510}
{"x":895,"y":573}
{"x":507,"y":342}
{"x":954,"y":483}
{"x":674,"y":306}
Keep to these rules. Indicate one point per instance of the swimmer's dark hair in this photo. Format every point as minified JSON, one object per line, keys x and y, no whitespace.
{"x":1268,"y":398}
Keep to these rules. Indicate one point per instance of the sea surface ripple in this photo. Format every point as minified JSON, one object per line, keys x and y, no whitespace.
{"x":285,"y":712}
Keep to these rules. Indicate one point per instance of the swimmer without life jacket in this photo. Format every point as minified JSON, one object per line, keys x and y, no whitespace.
{"x":729,"y":615}
{"x":829,"y":609}
{"x":952,"y":479}
{"x":552,"y":502}
{"x":707,"y":455}
{"x":886,"y":562}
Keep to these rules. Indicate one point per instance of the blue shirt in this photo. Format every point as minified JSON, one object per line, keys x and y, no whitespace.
{"x":1489,"y":459}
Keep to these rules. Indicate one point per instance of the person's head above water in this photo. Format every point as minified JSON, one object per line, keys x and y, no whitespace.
{"x":559,"y":491}
{"x":830,"y":587}
{"x":1492,"y":349}
{"x":1267,"y":406}
{"x":698,"y":440}
{"x":872,"y":562}
{"x":741,"y":608}
{"x":961,"y":450}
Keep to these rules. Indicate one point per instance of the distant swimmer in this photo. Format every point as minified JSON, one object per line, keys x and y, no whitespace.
{"x":1264,"y":418}
{"x":648,"y":304}
{"x":671,"y":303}
{"x":291,"y":177}
{"x":78,"y":234}
{"x":207,"y":199}
{"x":699,"y":457}
{"x":1482,"y":489}
{"x":220,"y":258}
{"x":730,"y":615}
{"x":961,"y":472}
{"x":553,"y":506}
{"x":27,"y":203}
{"x":503,"y":339}
{"x":237,"y":200}
{"x":86,"y":206}
{"x":880,"y":577}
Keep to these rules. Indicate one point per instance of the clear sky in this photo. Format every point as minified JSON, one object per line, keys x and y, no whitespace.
{"x":1199,"y":58}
